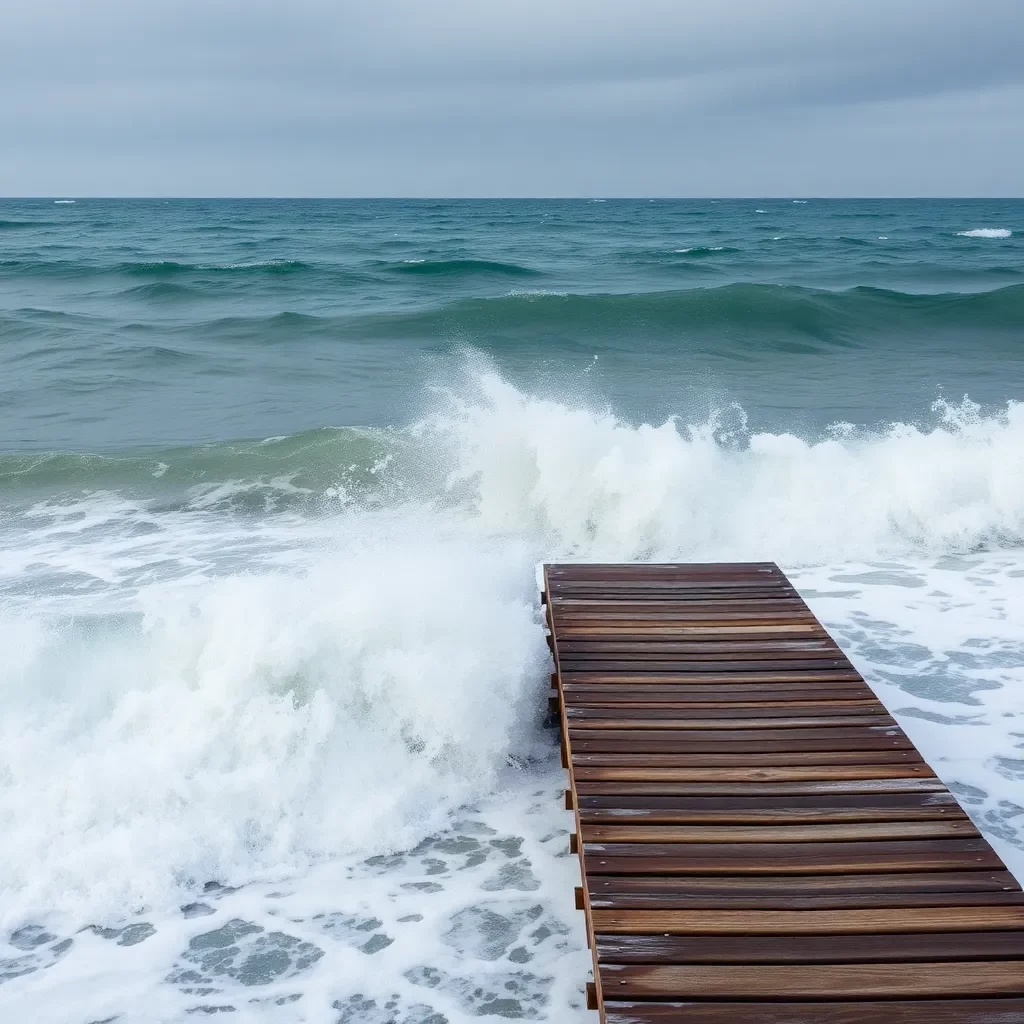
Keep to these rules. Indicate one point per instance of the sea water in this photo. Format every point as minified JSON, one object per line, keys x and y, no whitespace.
{"x":275,"y":481}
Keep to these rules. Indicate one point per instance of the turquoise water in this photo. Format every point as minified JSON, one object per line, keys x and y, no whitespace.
{"x":275,"y":479}
{"x":167,"y":323}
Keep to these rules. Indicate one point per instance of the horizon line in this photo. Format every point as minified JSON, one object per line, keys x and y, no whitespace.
{"x":499,"y":198}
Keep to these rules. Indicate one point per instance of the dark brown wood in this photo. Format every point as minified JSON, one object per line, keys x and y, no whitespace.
{"x":830,"y":832}
{"x":712,"y":695}
{"x":716,"y":666}
{"x":808,"y":885}
{"x":660,"y":810}
{"x":760,"y":718}
{"x":646,"y":716}
{"x":797,"y":773}
{"x":657,"y":899}
{"x":950,"y":1011}
{"x":808,"y":981}
{"x":758,"y":650}
{"x":760,"y":842}
{"x":736,"y":740}
{"x":807,"y":922}
{"x":708,"y":625}
{"x":747,"y":760}
{"x":708,"y":785}
{"x":897,"y":947}
{"x":647,"y":676}
{"x":790,"y":858}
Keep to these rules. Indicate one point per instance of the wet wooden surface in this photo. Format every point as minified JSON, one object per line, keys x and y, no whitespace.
{"x":759,"y":841}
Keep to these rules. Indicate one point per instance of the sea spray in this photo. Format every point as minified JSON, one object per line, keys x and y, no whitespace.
{"x":248,"y":726}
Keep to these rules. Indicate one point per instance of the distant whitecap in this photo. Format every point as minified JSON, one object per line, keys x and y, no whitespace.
{"x":986,"y":233}
{"x":63,"y":202}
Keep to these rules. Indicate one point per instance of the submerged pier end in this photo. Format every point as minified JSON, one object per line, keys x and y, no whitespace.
{"x":759,"y":841}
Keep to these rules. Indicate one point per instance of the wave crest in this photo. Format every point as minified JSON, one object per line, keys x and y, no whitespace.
{"x":986,"y":233}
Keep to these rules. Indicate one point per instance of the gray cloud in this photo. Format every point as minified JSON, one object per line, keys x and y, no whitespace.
{"x":485,"y":97}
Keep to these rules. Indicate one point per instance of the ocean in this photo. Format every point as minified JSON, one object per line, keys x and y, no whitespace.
{"x":276,"y":478}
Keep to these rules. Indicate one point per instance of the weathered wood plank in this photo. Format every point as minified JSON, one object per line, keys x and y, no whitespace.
{"x":623,"y":718}
{"x":808,"y":922}
{"x":655,"y":810}
{"x":790,"y":858}
{"x":808,"y":885}
{"x":897,"y":947}
{"x":643,"y":676}
{"x":752,"y":740}
{"x":694,"y":666}
{"x":952,"y":1011}
{"x":796,"y":773}
{"x":747,"y":760}
{"x":831,"y":832}
{"x":658,"y":900}
{"x":840,"y":981}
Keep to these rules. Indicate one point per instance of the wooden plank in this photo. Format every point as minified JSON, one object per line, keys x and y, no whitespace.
{"x":645,"y":614}
{"x":641,"y":650}
{"x":830,"y":832}
{"x":709,"y":626}
{"x":707,"y":678}
{"x":752,"y":740}
{"x":624,"y":718}
{"x":704,"y":630}
{"x":750,"y":695}
{"x":953,"y":1011}
{"x":807,"y":922}
{"x":710,"y":785}
{"x":796,"y":773}
{"x":644,"y":570}
{"x":790,"y":858}
{"x":659,"y":900}
{"x":655,"y":810}
{"x":747,"y":760}
{"x":791,"y":981}
{"x":692,"y":666}
{"x":807,"y":885}
{"x":897,"y":947}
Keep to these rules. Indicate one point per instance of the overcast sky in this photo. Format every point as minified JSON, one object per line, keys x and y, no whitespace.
{"x":512,"y":97}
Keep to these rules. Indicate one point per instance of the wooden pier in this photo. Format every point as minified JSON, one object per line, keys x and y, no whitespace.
{"x":759,"y":841}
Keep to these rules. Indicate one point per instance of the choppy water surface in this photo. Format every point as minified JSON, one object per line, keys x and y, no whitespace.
{"x":274,"y":482}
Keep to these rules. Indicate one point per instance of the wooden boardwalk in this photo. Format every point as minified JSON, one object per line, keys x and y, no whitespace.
{"x":759,"y":842}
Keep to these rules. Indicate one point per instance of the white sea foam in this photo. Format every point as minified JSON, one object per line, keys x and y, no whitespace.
{"x":63,"y":202}
{"x":609,"y":488}
{"x":197,"y":693}
{"x":986,"y":233}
